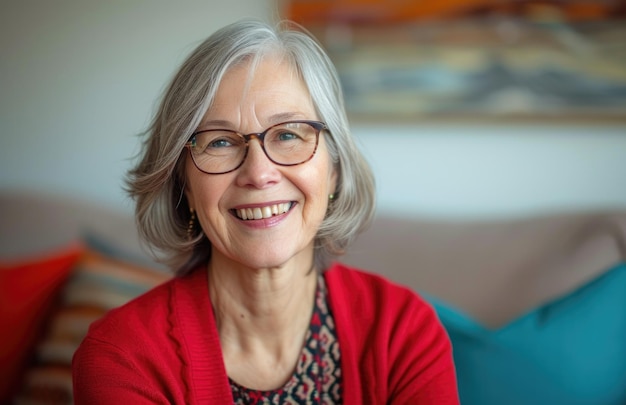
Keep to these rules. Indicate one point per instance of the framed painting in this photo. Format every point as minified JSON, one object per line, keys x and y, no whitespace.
{"x":524,"y":60}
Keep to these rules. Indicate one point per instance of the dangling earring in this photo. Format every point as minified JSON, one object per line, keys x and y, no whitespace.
{"x":192,"y":222}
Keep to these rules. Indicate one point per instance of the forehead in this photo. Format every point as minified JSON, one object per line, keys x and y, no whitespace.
{"x":260,"y":89}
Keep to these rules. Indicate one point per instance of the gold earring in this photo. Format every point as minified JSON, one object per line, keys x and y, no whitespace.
{"x":192,"y":222}
{"x":331,"y":197}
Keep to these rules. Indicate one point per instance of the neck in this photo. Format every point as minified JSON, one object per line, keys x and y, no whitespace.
{"x":262,"y":318}
{"x":271,"y":307}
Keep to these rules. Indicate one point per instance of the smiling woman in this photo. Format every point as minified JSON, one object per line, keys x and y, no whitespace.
{"x":250,"y":185}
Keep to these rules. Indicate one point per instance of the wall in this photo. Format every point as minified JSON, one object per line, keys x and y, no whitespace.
{"x":79,"y":80}
{"x":496,"y":170}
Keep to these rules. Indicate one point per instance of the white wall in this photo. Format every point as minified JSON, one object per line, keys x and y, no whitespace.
{"x":495,"y":170}
{"x":79,"y":78}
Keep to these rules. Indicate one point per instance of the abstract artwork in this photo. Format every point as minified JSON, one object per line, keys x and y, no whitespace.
{"x":532,"y":60}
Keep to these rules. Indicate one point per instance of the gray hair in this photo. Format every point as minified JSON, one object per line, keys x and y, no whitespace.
{"x":157,"y":182}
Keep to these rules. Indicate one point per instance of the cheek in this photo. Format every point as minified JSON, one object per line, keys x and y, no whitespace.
{"x":203,"y":191}
{"x":324,"y":185}
{"x":206,"y":204}
{"x":203,"y":197}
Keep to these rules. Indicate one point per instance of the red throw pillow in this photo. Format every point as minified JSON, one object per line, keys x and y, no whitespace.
{"x":27,"y":291}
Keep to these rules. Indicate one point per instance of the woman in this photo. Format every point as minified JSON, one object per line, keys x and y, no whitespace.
{"x":249,"y":185}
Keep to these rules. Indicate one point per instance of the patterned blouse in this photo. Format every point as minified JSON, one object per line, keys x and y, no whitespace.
{"x":317,"y":378}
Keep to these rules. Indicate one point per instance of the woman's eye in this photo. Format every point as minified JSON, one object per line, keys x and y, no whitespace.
{"x":219,"y":143}
{"x":222,"y":139}
{"x":287,"y":136}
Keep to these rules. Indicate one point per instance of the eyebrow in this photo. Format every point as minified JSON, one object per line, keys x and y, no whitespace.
{"x":286,"y":116}
{"x":216,"y":123}
{"x":273,"y":119}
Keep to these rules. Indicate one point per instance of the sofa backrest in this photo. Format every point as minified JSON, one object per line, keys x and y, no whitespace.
{"x":36,"y":223}
{"x":494,"y":270}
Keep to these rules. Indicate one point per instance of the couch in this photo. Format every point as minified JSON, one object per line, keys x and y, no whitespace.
{"x":514,"y":294}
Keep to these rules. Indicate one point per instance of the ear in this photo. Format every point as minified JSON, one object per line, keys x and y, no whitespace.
{"x":189,"y":196}
{"x":188,"y":192}
{"x":332,"y":186}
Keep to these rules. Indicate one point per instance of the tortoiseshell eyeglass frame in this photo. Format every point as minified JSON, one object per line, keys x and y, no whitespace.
{"x":260,"y":136}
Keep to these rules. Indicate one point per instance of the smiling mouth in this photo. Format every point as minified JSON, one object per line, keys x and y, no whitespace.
{"x":268,"y":211}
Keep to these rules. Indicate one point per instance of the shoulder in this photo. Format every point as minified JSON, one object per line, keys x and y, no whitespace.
{"x":144,"y":313}
{"x":132,"y":350}
{"x":144,"y":346}
{"x":388,"y":331}
{"x":116,"y":343}
{"x":150,"y":314}
{"x":365,"y":288}
{"x":380,"y":307}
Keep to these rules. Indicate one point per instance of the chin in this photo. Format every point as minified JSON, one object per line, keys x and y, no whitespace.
{"x":265,"y":261}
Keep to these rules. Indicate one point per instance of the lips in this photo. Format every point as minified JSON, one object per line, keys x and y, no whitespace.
{"x":265,"y":212}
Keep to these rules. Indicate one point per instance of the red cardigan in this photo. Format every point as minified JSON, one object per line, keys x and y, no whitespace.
{"x":164,"y":348}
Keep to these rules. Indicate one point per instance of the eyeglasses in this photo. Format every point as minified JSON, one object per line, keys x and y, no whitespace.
{"x":218,"y":151}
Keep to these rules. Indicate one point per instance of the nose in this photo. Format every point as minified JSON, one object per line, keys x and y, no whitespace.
{"x":257,"y":170}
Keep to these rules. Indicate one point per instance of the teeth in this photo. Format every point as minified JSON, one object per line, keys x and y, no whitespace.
{"x":264,"y":212}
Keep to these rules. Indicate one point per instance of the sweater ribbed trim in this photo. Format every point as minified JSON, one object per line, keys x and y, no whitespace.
{"x":344,"y":326}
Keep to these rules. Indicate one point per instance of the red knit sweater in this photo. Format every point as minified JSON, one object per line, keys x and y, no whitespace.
{"x":164,"y":348}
